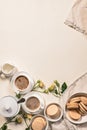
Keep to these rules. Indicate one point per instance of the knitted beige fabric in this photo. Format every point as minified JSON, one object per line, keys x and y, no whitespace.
{"x":79,"y":86}
{"x":77,"y":18}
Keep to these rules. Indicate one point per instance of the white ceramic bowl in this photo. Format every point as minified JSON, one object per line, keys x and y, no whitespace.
{"x":83,"y":118}
{"x":29,"y":87}
{"x":55,"y":119}
{"x":40,"y":109}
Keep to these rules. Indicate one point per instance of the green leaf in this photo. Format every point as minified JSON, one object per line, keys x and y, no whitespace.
{"x":57,"y":83}
{"x":18,"y":95}
{"x":46,"y":91}
{"x":4,"y":127}
{"x":63,"y":87}
{"x":38,"y":81}
{"x":27,"y":128}
{"x":36,"y":86}
{"x":56,"y":92}
{"x":20,"y":112}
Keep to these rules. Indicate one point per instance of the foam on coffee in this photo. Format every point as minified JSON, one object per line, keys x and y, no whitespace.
{"x":22,"y":82}
{"x":33,"y":103}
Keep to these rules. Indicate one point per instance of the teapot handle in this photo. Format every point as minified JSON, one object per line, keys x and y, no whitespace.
{"x":21,"y":100}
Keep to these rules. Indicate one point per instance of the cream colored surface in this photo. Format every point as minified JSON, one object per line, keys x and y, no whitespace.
{"x":33,"y":36}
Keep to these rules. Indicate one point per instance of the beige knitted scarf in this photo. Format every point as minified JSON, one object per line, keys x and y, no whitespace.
{"x":77,"y":18}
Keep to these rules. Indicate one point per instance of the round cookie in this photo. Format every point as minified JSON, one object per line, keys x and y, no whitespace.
{"x":84,"y":100}
{"x":82,"y":109}
{"x":73,"y":114}
{"x":84,"y":106}
{"x":75,"y":99}
{"x":53,"y":111}
{"x":81,"y":113}
{"x":38,"y":123}
{"x":72,"y":105}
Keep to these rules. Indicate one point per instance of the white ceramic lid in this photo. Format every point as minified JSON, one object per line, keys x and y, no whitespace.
{"x":9,"y":106}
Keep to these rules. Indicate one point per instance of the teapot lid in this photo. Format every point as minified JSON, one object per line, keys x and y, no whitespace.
{"x":9,"y":106}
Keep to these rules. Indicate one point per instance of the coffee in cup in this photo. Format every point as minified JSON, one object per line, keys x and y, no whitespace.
{"x":21,"y":82}
{"x":33,"y":103}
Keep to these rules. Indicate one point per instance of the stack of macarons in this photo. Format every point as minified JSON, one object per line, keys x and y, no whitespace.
{"x":77,"y":107}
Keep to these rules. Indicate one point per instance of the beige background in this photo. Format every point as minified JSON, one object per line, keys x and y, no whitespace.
{"x":33,"y":37}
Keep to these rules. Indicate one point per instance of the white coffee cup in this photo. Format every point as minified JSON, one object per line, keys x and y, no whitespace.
{"x":41,"y":106}
{"x":29,"y":86}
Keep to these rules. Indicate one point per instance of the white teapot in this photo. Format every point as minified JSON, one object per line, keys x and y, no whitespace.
{"x":9,"y":107}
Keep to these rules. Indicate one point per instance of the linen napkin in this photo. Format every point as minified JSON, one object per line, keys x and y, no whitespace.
{"x":79,"y":86}
{"x":77,"y":18}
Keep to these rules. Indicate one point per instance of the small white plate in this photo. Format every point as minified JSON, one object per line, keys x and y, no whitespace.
{"x":83,"y":118}
{"x":81,"y":121}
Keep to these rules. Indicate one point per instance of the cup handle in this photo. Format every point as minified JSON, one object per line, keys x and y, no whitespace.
{"x":42,"y":107}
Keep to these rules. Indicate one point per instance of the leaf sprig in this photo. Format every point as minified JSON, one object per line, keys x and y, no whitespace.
{"x":55,"y":88}
{"x":18,"y":119}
